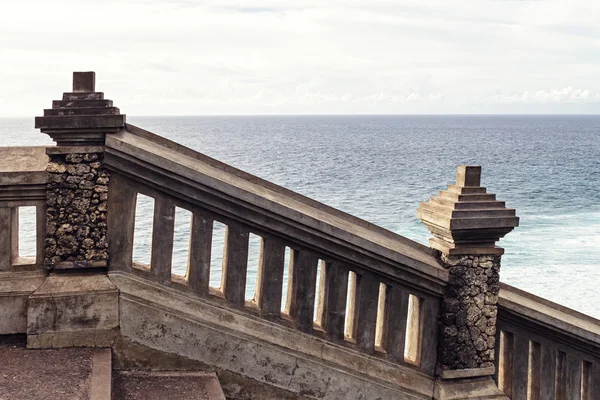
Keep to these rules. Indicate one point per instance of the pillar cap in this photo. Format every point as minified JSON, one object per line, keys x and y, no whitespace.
{"x":465,"y":219}
{"x":83,"y":117}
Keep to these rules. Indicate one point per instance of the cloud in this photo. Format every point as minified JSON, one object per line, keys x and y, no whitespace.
{"x":304,"y":56}
{"x":564,"y":95}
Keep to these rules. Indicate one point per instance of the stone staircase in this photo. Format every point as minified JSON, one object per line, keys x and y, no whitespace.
{"x":87,"y":374}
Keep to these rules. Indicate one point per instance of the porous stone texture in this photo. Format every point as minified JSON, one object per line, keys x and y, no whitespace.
{"x":469,"y":311}
{"x":77,"y":194}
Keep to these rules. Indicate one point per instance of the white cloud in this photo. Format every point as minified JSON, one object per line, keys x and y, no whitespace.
{"x":309,"y":56}
{"x":564,"y":95}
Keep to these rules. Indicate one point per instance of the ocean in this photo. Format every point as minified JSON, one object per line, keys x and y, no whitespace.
{"x":380,"y":168}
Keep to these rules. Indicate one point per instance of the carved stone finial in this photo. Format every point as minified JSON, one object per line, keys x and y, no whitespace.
{"x":465,"y":219}
{"x":83,"y":117}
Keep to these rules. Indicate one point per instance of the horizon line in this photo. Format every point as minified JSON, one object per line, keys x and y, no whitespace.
{"x":352,"y":115}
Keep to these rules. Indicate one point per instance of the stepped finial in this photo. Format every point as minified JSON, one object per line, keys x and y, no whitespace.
{"x":83,"y":117}
{"x":465,"y":219}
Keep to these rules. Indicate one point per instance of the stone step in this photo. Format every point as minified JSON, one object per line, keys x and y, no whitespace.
{"x":159,"y":385}
{"x":73,"y":373}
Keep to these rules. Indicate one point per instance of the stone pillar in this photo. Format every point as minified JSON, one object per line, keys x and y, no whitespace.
{"x":77,"y":304}
{"x":77,"y":186}
{"x":466,"y":223}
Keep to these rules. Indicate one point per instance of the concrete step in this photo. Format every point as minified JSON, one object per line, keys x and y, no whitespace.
{"x":86,"y":374}
{"x":161,"y":385}
{"x":69,"y":374}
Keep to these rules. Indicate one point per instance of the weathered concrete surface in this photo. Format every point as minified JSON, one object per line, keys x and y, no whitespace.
{"x":73,"y":310}
{"x":22,"y":165}
{"x":15,"y":288}
{"x":549,"y":314}
{"x":22,"y":176}
{"x":164,"y":319}
{"x":129,"y":355}
{"x":45,"y":374}
{"x":141,"y":385}
{"x":550,"y":349}
{"x":468,"y":389}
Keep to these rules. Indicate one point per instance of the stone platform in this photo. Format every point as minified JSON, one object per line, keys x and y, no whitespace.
{"x":45,"y":374}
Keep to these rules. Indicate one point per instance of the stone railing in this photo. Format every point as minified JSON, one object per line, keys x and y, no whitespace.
{"x":22,"y":184}
{"x":377,"y":293}
{"x":544,"y":350}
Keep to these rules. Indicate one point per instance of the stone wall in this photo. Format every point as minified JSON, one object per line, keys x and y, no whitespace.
{"x":77,"y":193}
{"x":469,"y":312}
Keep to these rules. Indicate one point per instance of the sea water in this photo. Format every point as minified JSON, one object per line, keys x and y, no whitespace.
{"x":380,"y":168}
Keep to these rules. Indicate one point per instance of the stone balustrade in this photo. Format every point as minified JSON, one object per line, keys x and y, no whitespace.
{"x":544,"y":350}
{"x":22,"y":184}
{"x":368,"y":314}
{"x":369,"y":297}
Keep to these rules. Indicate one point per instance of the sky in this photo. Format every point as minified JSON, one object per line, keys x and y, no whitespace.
{"x":187,"y":57}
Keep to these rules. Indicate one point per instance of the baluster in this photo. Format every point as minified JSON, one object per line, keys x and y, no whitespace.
{"x":430,"y":307}
{"x":14,"y":235}
{"x":587,"y":383}
{"x":6,"y":238}
{"x":505,"y":363}
{"x":573,"y":377}
{"x":121,"y":221}
{"x":535,"y":369}
{"x":269,"y":283}
{"x":302,"y":287}
{"x":521,"y":361}
{"x":395,"y":322}
{"x":336,"y":291}
{"x":322,"y":296}
{"x":367,"y":298}
{"x":198,"y":274}
{"x":162,"y":239}
{"x":595,"y":389}
{"x":40,"y":228}
{"x":560,"y":382}
{"x":235,"y":264}
{"x":548,"y":371}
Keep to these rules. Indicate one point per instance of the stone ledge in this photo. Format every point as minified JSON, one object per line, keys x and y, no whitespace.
{"x":83,"y":338}
{"x":67,"y":265}
{"x":74,"y":150}
{"x":68,"y":309}
{"x":452,"y":250}
{"x":108,"y":122}
{"x":175,"y":322}
{"x":15,"y":289}
{"x":465,"y":373}
{"x":468,"y":389}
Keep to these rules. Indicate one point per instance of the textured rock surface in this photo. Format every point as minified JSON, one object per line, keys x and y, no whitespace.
{"x":469,"y":312}
{"x":77,"y":193}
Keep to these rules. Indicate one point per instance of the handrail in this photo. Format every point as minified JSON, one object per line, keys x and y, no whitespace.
{"x":379,"y":293}
{"x":545,"y":350}
{"x":22,"y":183}
{"x":160,"y":155}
